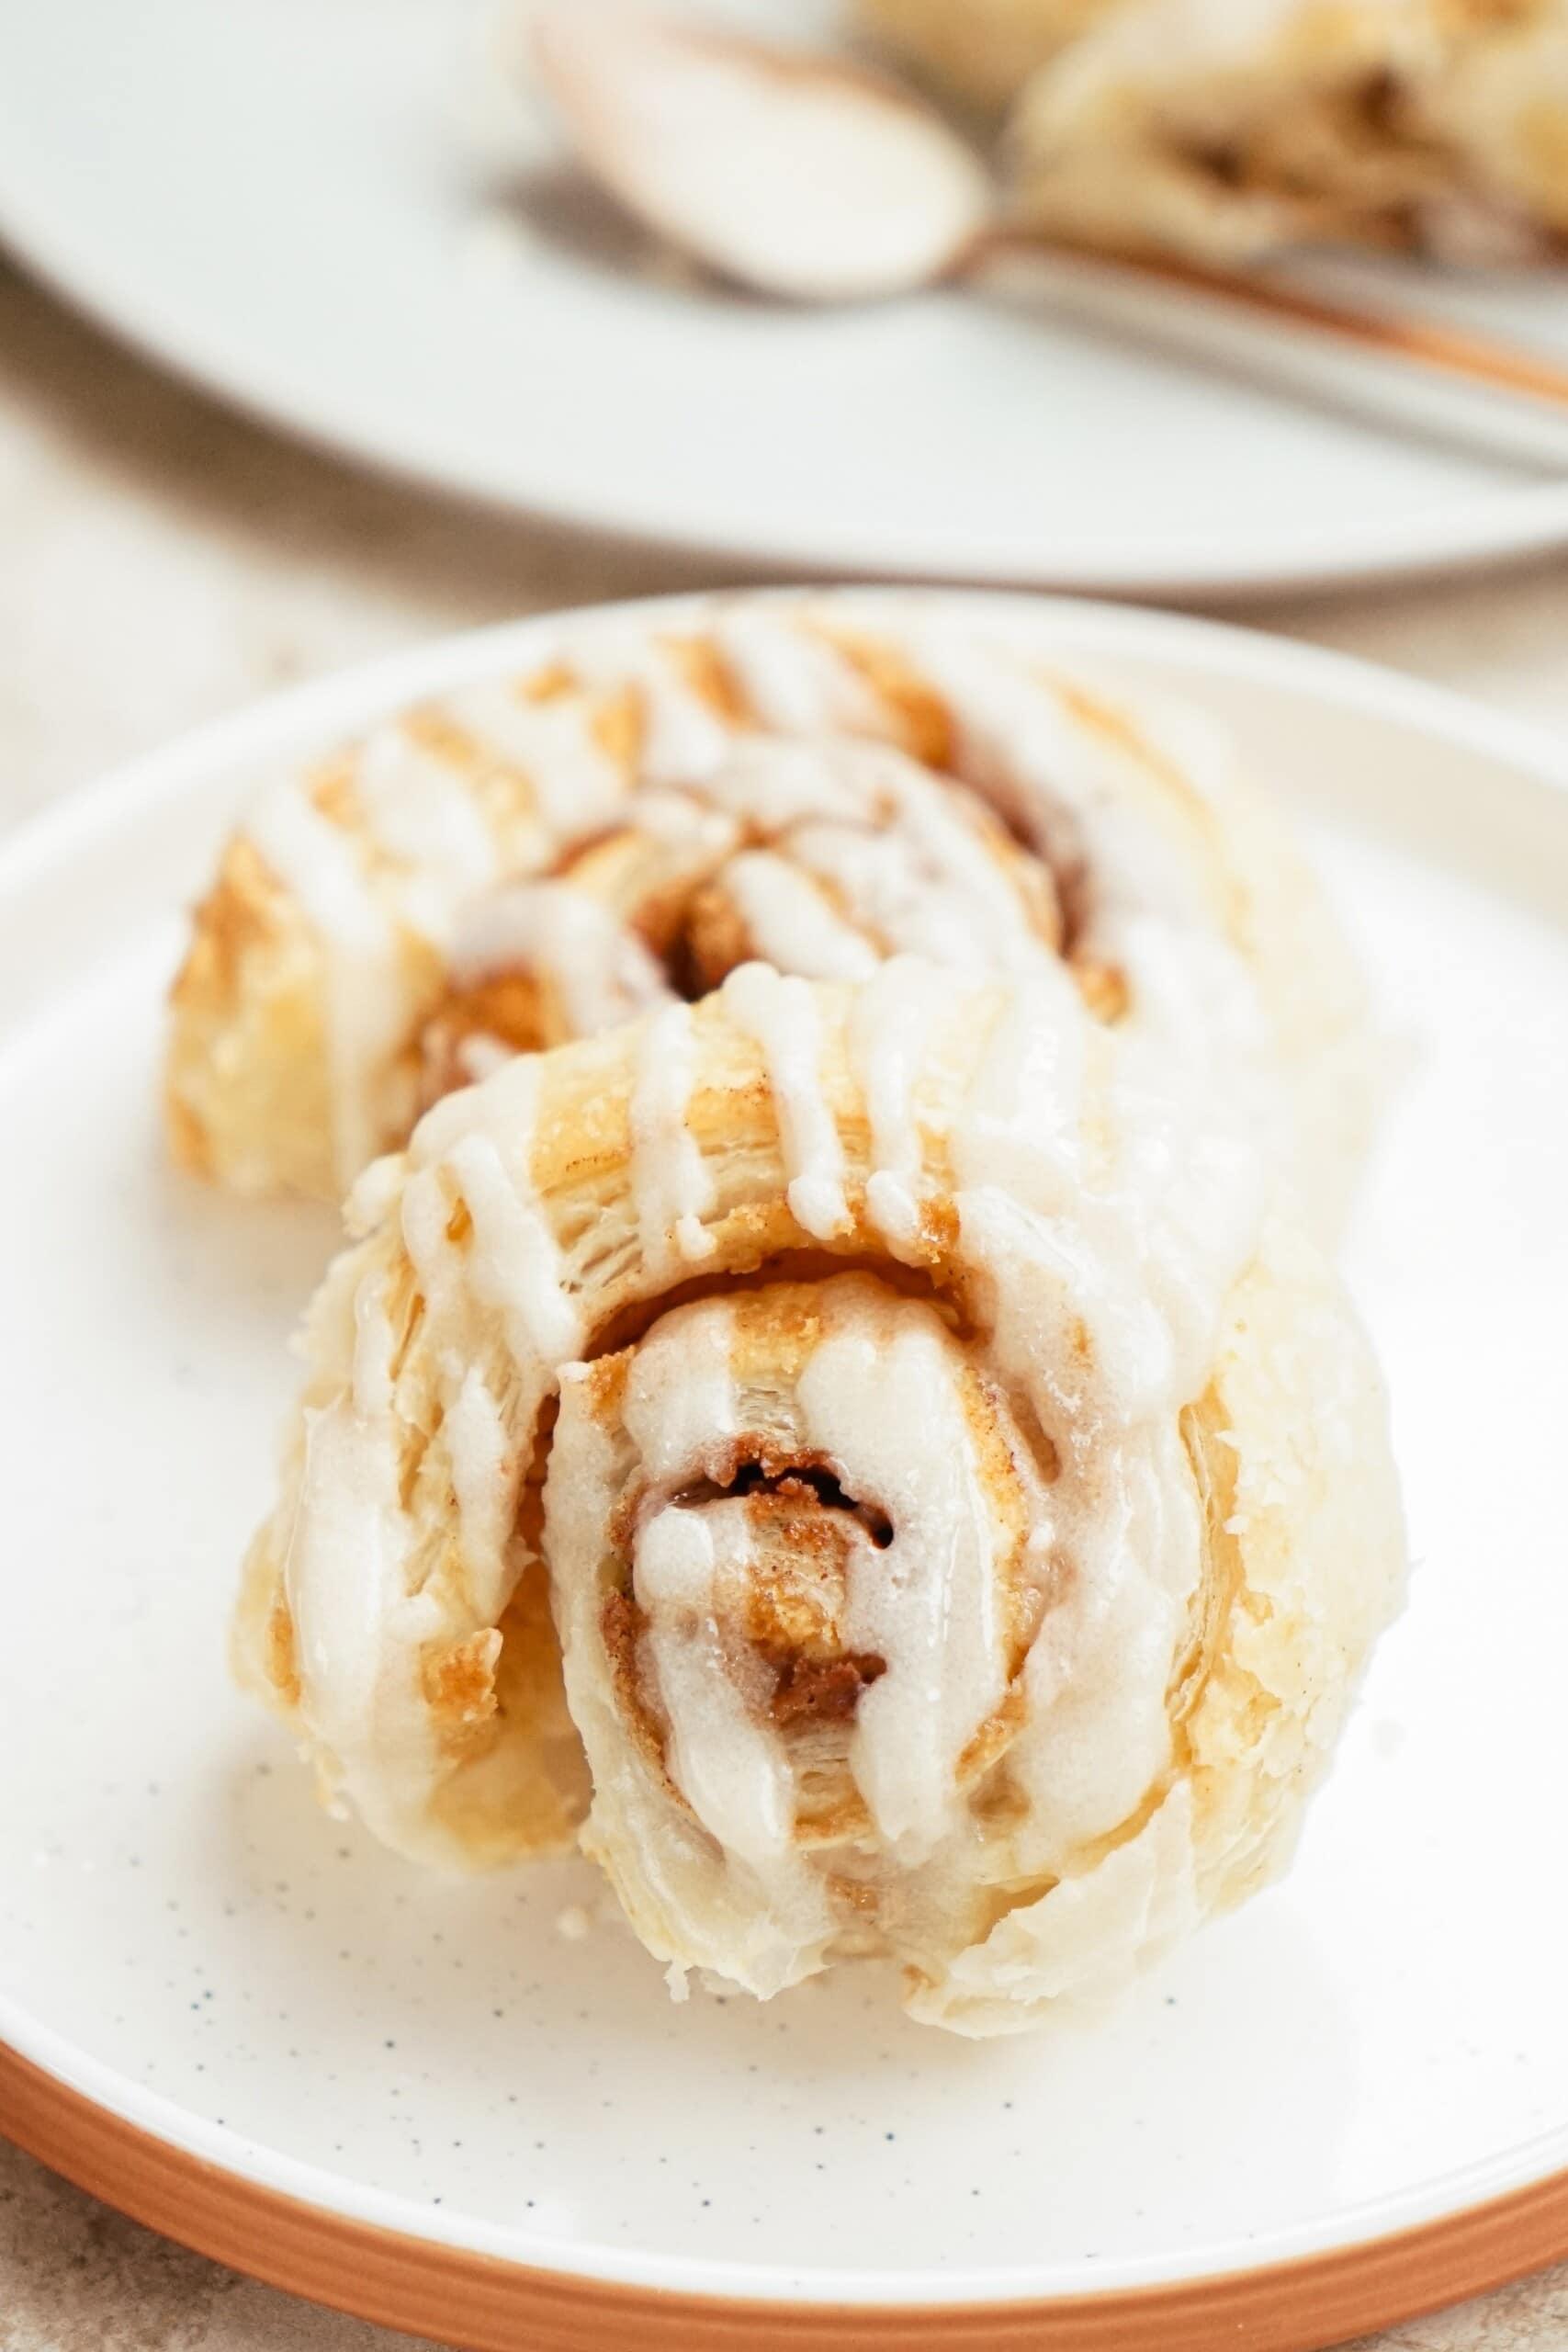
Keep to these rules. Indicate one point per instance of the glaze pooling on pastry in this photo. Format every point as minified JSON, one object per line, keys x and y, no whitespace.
{"x":984,"y":1593}
{"x":818,"y":781}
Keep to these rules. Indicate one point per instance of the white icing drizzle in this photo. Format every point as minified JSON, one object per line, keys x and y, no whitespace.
{"x":879,"y":1401}
{"x":484,"y":1480}
{"x":681,"y":1410}
{"x":677,"y":821}
{"x":422,"y":811}
{"x":476,"y":1148}
{"x":576,"y":784}
{"x":890,"y":842}
{"x":915,"y":873}
{"x":1097,"y":1733}
{"x":791,"y":923}
{"x":772,"y":784}
{"x":670,"y":1182}
{"x":515,"y":1261}
{"x":793,"y":679}
{"x":890,"y":1025}
{"x":680,"y":1406}
{"x":317,"y":861}
{"x":426,"y":1214}
{"x":935,"y":886}
{"x":1109,"y":1210}
{"x":1021,"y":1133}
{"x":1087,"y":797}
{"x":602,"y":971}
{"x":503,"y":1109}
{"x":479,"y":1056}
{"x":366,"y":997}
{"x":878,"y":1398}
{"x":1108,"y":1189}
{"x":338,"y":1575}
{"x":781,"y":1014}
{"x":731,"y":1768}
{"x":684,"y":738}
{"x":372,"y":1376}
{"x":374,"y":1194}
{"x":1016,"y":741}
{"x":1198,"y":1013}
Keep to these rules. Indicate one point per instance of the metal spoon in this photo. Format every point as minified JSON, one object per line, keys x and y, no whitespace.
{"x":792,"y":173}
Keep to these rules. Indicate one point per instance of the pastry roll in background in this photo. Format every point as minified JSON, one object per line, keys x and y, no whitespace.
{"x":819,"y":783}
{"x":1228,"y":132}
{"x":1224,"y":129}
{"x":962,"y":1492}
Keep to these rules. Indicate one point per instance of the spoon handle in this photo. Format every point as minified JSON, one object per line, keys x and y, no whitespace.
{"x":1407,"y":373}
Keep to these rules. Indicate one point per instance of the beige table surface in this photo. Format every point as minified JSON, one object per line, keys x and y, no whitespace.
{"x":162,"y":561}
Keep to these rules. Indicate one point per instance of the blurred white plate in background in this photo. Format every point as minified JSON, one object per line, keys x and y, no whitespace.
{"x":333,"y":212}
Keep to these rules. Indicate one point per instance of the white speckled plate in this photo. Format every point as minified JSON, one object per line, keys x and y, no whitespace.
{"x":244,"y":2022}
{"x":338,"y":216}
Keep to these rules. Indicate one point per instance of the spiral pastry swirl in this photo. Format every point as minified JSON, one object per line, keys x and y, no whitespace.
{"x":963,"y":1496}
{"x":820,"y":859}
{"x":818,"y":783}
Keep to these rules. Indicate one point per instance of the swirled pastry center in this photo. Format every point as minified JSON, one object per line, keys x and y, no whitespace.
{"x":822,"y":1551}
{"x":823,"y":859}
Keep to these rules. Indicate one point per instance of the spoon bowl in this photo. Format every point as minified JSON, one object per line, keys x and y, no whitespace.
{"x":798,"y":176}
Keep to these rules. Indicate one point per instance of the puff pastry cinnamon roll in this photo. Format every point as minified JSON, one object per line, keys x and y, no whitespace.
{"x":1224,"y":131}
{"x":964,"y":1498}
{"x":819,"y":783}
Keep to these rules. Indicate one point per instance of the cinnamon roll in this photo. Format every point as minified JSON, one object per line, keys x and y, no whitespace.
{"x":818,"y":783}
{"x":1224,"y":131}
{"x":963,"y":1494}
